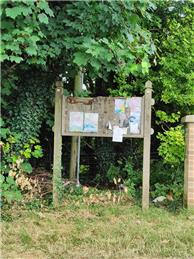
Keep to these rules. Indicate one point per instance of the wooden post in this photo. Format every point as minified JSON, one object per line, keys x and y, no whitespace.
{"x":57,"y":144}
{"x":74,"y":142}
{"x":146,"y":144}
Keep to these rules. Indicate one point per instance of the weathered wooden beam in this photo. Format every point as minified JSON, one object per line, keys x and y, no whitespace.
{"x":57,"y":144}
{"x":147,"y":143}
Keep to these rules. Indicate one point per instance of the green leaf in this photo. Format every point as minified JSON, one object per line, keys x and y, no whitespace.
{"x":8,"y":25}
{"x":133,"y":68}
{"x":43,"y":18}
{"x":31,"y":50}
{"x":109,"y":56}
{"x":12,"y":195}
{"x":4,"y":132}
{"x":38,"y":147}
{"x":145,"y":65}
{"x":18,"y":10}
{"x":26,"y":167}
{"x":12,"y":47}
{"x":1,"y":122}
{"x":133,"y":19}
{"x":4,"y":57}
{"x":43,"y":5}
{"x":37,"y":153}
{"x":34,"y":38}
{"x":15,"y":59}
{"x":96,"y":64}
{"x":2,"y":179}
{"x":26,"y":10}
{"x":14,"y":158}
{"x":80,"y":59}
{"x":10,"y":180}
{"x":13,"y":12}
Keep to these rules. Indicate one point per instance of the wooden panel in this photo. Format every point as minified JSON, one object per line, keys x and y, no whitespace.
{"x":105,"y":107}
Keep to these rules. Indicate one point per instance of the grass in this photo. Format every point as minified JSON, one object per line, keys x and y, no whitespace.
{"x":84,"y":231}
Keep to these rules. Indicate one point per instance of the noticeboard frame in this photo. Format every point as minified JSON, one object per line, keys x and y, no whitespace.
{"x":59,"y":132}
{"x":81,"y":104}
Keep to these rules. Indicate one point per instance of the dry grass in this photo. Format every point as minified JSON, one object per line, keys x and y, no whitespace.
{"x":97,"y":231}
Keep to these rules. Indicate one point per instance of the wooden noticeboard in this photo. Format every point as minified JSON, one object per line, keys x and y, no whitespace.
{"x":103,"y":108}
{"x":98,"y":117}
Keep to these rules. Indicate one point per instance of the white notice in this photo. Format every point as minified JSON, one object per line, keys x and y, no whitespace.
{"x":125,"y":131}
{"x":117,"y":134}
{"x":134,"y":128}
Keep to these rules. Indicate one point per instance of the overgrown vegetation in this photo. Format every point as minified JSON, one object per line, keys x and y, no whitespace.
{"x":118,"y":45}
{"x":15,"y":165}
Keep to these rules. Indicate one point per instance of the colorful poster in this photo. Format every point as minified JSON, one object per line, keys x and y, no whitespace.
{"x":76,"y":121}
{"x":129,"y":114}
{"x":117,"y":134}
{"x":134,"y":118}
{"x":91,"y":122}
{"x":119,"y":105}
{"x":134,"y":122}
{"x":134,"y":104}
{"x":128,"y":118}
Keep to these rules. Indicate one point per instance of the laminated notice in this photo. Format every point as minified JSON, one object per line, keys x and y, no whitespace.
{"x":117,"y":134}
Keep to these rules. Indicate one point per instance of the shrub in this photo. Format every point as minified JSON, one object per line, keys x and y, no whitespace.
{"x":172,"y":145}
{"x":15,"y":164}
{"x":166,"y":180}
{"x":124,"y":175}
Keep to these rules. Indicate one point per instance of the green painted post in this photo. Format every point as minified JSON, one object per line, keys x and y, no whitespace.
{"x":147,"y":144}
{"x":57,"y":144}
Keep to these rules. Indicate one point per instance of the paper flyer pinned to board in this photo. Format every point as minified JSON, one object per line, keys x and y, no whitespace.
{"x":134,"y":103}
{"x":76,"y":121}
{"x":125,"y":131}
{"x":119,"y":105}
{"x":134,"y":123}
{"x":117,"y":134}
{"x":91,"y":122}
{"x":83,"y":122}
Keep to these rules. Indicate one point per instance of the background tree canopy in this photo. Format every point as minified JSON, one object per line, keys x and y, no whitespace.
{"x":118,"y":45}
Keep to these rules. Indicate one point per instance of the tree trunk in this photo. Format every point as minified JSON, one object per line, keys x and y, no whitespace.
{"x":74,"y":142}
